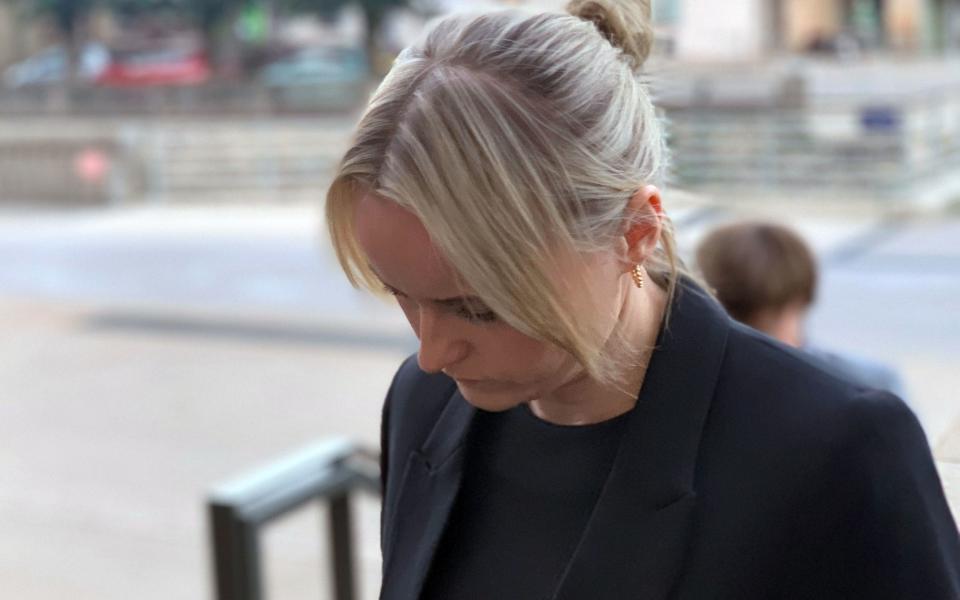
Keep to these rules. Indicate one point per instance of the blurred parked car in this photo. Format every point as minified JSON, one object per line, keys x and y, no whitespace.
{"x":317,"y":66}
{"x":156,"y":67}
{"x":49,"y":66}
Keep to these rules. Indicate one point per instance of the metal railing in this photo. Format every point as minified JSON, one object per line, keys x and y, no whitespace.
{"x":93,"y":171}
{"x":83,"y":161}
{"x":330,"y":472}
{"x":890,"y":148}
{"x":212,"y":99}
{"x":883,"y":148}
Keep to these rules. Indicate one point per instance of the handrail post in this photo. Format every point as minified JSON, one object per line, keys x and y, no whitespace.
{"x":341,"y":544}
{"x":236,"y":555}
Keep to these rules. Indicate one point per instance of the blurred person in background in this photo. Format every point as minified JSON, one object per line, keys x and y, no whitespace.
{"x":765,"y":276}
{"x":582,"y":420}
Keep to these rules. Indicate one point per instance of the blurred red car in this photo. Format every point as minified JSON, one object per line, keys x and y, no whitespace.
{"x":168,"y":66}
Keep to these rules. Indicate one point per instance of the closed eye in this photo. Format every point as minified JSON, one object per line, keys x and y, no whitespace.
{"x":484,"y":316}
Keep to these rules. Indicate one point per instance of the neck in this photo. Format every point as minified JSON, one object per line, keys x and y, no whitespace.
{"x":584,"y":400}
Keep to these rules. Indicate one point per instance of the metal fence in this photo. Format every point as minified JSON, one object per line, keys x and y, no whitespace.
{"x":213,"y":99}
{"x":165,"y":160}
{"x":331,"y":472}
{"x":883,"y":148}
{"x":889,"y":149}
{"x":93,"y":171}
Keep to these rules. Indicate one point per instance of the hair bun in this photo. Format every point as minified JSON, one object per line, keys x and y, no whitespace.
{"x":625,"y":23}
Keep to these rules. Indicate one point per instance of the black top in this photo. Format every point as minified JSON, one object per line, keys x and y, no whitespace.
{"x":745,"y":472}
{"x":528,"y":490}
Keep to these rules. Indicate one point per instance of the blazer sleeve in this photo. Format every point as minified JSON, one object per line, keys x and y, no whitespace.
{"x":907,"y":530}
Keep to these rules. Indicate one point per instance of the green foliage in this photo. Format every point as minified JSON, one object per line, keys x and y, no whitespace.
{"x":374,"y":10}
{"x":133,"y":8}
{"x":329,"y":8}
{"x":207,"y":15}
{"x":66,"y":14}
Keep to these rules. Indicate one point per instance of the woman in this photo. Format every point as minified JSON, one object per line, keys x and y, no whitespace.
{"x":582,"y":420}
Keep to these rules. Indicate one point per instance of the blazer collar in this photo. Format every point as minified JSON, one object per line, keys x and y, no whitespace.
{"x":431,"y":480}
{"x":643,"y":514}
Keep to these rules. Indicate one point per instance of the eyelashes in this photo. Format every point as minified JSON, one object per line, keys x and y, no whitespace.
{"x":464,"y":312}
{"x":487,"y":316}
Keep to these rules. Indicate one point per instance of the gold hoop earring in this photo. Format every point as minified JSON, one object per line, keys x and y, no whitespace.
{"x":637,"y":276}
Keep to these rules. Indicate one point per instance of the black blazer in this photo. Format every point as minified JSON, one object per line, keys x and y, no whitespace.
{"x":745,"y":473}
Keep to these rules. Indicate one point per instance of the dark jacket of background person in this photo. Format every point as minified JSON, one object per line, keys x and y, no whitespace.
{"x":859,"y":370}
{"x":745,"y":472}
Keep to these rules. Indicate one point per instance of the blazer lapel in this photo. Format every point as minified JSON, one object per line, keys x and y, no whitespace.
{"x":431,"y":480}
{"x":634,"y":543}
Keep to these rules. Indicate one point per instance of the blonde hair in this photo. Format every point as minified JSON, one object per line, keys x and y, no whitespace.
{"x":515,"y":138}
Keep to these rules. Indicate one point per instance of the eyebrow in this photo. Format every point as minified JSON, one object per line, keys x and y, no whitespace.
{"x":446,"y":302}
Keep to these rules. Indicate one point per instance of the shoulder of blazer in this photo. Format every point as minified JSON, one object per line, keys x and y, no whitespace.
{"x":758,"y":363}
{"x":779,"y":396}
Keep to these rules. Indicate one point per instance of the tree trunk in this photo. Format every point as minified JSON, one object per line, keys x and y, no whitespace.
{"x":375,"y":18}
{"x":221,"y":48}
{"x":61,"y":93}
{"x":71,"y":44}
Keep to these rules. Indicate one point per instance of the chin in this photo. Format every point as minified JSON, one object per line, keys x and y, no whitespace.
{"x":491,"y":400}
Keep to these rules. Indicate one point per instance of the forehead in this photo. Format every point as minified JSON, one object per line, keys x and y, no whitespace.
{"x":400,"y":249}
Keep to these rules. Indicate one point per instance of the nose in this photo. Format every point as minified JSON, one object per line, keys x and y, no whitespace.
{"x":439,"y":345}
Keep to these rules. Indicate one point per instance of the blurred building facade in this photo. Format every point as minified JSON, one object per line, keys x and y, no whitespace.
{"x":738,"y":30}
{"x":22,"y":37}
{"x":752,"y":29}
{"x":923,"y":26}
{"x":16,"y":40}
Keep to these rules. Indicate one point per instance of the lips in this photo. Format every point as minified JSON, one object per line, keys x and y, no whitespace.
{"x":482,"y":385}
{"x":459,"y":377}
{"x":472,"y":382}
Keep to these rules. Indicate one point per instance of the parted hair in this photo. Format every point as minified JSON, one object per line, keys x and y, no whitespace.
{"x":754,"y":267}
{"x":515,"y":138}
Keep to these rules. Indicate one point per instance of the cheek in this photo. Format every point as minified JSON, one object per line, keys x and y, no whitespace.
{"x":518,"y":357}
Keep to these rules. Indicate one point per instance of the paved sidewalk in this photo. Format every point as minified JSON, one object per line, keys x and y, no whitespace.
{"x":950,"y":475}
{"x":113,"y":436}
{"x":947,"y":454}
{"x":949,"y":447}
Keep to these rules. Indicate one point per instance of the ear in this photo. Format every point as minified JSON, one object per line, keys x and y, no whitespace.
{"x":644,"y":217}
